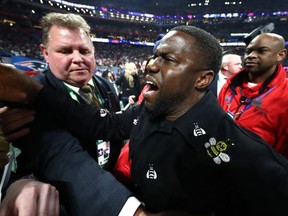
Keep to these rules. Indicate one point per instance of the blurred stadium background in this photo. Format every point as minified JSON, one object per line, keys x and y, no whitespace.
{"x":125,"y":30}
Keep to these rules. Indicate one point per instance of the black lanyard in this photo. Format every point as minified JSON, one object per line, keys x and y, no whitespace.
{"x":245,"y":100}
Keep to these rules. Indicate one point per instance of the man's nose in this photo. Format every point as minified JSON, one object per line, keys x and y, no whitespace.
{"x":77,"y":57}
{"x":152,"y":66}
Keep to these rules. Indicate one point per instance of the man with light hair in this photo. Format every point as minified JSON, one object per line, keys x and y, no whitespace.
{"x":69,"y":52}
{"x":231,"y":64}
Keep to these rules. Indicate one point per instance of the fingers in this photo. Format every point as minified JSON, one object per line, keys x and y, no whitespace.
{"x":48,"y":201}
{"x":19,"y":199}
{"x":28,"y":197}
{"x":131,"y":99}
{"x":3,"y":109}
{"x":14,"y":119}
{"x":26,"y":203}
{"x":15,"y":86}
{"x":10,"y":112}
{"x":17,"y":134}
{"x":57,"y":208}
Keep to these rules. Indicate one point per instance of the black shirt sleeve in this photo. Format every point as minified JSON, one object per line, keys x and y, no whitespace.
{"x":82,"y":119}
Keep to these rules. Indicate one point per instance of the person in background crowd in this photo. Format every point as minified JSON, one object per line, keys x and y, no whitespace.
{"x":110,"y":76}
{"x":141,"y":73}
{"x":187,"y":153}
{"x":257,"y":97}
{"x":129,"y":83}
{"x":231,"y":64}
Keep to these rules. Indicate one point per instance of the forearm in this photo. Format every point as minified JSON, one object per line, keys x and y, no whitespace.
{"x":81,"y":119}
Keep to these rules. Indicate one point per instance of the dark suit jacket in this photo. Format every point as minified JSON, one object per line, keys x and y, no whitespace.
{"x":57,"y":157}
{"x":213,"y":85}
{"x":111,"y":102}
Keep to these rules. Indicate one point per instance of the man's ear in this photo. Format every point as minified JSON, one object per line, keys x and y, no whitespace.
{"x":44,"y":52}
{"x":225,"y":67}
{"x":204,"y":79}
{"x":281,"y":55}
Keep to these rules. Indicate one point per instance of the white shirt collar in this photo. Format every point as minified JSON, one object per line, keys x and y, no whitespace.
{"x":220,"y":82}
{"x":76,"y":89}
{"x":222,"y":77}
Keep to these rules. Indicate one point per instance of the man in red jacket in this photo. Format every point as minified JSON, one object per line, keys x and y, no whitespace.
{"x":257,"y":97}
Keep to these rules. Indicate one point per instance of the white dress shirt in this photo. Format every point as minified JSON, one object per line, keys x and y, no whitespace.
{"x":220,"y":82}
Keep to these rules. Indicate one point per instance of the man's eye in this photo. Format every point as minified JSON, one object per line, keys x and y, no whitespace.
{"x":65,"y":51}
{"x":169,"y":59}
{"x":262,"y":51}
{"x":247,"y":52}
{"x":85,"y":52}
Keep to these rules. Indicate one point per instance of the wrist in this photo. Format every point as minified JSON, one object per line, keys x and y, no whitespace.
{"x":30,"y":176}
{"x":140,"y":211}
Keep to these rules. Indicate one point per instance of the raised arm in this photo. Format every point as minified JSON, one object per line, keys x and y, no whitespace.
{"x":83,"y":120}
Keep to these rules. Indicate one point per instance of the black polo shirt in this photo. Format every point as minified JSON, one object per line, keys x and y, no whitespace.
{"x":200,"y":163}
{"x":204,"y":162}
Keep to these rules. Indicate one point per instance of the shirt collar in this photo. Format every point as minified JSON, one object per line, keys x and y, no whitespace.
{"x":76,"y":89}
{"x":197,"y":128}
{"x":222,"y":76}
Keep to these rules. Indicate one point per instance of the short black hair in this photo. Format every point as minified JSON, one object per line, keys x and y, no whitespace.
{"x":206,"y":45}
